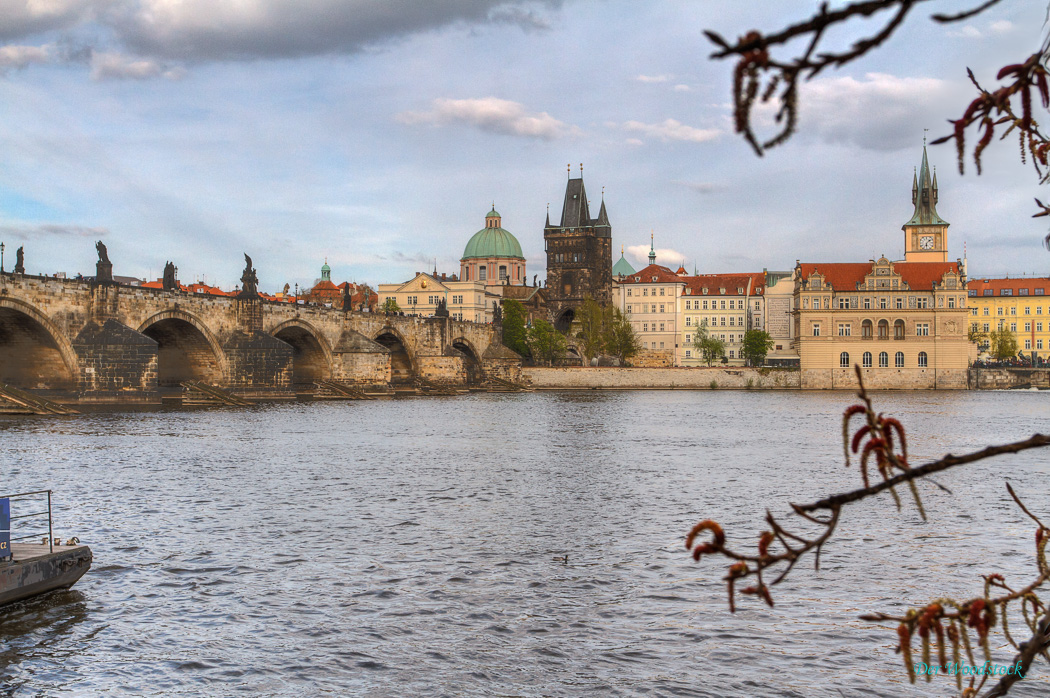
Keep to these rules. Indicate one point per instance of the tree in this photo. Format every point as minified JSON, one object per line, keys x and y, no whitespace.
{"x":757,"y":344}
{"x":591,"y":327}
{"x":390,"y":306}
{"x":762,"y":78}
{"x":976,"y":335}
{"x":708,"y":347}
{"x":881,"y":442}
{"x":1004,"y":343}
{"x":545,"y":342}
{"x":622,"y":342}
{"x":514,"y":326}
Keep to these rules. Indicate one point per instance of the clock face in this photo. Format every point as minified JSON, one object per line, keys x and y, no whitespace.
{"x":926,"y":242}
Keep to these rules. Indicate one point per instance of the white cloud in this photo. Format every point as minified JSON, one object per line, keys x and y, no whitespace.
{"x":17,"y":57}
{"x":672,"y":130}
{"x":635,"y":142}
{"x":966,"y":32}
{"x":665,"y":257}
{"x":1003,"y":26}
{"x":489,"y":114}
{"x":879,"y":112}
{"x":682,"y":88}
{"x":653,"y":78}
{"x":117,"y":66}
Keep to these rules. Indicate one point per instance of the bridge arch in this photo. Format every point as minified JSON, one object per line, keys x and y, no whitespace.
{"x":186,"y":349}
{"x":403,"y":366}
{"x":34,"y":354}
{"x":472,"y":361}
{"x":312,"y":360}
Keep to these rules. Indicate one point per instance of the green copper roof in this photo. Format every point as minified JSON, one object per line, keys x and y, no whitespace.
{"x":493,"y":242}
{"x":326,"y":267}
{"x":622,"y":267}
{"x":924,"y":196}
{"x":492,"y":213}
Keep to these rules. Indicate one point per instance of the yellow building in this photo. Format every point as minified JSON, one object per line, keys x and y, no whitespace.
{"x":649,"y":299}
{"x":1019,"y":305}
{"x":424,"y":294}
{"x":905,"y":323}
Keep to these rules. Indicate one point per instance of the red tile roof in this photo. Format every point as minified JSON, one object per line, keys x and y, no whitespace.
{"x":845,"y":276}
{"x":996,"y":286}
{"x":645,"y":276}
{"x":753,"y":283}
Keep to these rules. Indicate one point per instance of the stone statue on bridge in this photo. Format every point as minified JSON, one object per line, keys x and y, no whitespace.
{"x":497,"y":313}
{"x":20,"y":263}
{"x":348,"y":303}
{"x":103,"y":268}
{"x":169,"y":283}
{"x":249,"y":280}
{"x":442,"y":309}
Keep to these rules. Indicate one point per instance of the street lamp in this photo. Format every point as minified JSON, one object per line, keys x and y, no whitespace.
{"x":2,"y":258}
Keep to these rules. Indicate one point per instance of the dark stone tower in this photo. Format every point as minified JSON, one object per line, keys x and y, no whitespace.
{"x":579,"y":256}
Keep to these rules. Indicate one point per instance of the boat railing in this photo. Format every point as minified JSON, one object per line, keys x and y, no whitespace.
{"x":35,"y":498}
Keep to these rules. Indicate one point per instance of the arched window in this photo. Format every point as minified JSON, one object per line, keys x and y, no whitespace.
{"x":884,"y":329}
{"x":844,"y":359}
{"x":898,"y":359}
{"x":922,"y":359}
{"x":865,"y":329}
{"x":884,"y":359}
{"x":898,"y":329}
{"x":867,"y":359}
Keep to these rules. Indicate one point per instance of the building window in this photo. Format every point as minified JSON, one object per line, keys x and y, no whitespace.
{"x":924,"y":303}
{"x":723,"y":305}
{"x":628,"y":310}
{"x":844,"y":360}
{"x":867,"y":303}
{"x":884,"y":329}
{"x":1038,"y":344}
{"x":1027,"y":310}
{"x":1006,"y":292}
{"x":882,"y":304}
{"x":898,"y":329}
{"x":688,"y":340}
{"x":645,"y":327}
{"x":816,"y":330}
{"x":986,"y":310}
{"x":951,"y":301}
{"x":985,"y":327}
{"x":661,"y":293}
{"x":502,"y":273}
{"x":866,"y":359}
{"x":922,"y":359}
{"x":1038,"y":327}
{"x":628,"y":291}
{"x":482,"y":273}
{"x":1028,"y":327}
{"x":865,"y":329}
{"x":844,"y":330}
{"x":732,"y":320}
{"x":1013,"y":326}
{"x":1027,"y":344}
{"x":998,"y":311}
{"x":1013,"y":310}
{"x":705,"y":305}
{"x":732,"y":354}
{"x":661,"y":327}
{"x":922,"y":329}
{"x":898,"y":359}
{"x":661,"y":307}
{"x":645,"y":291}
{"x":884,"y":359}
{"x":688,"y":353}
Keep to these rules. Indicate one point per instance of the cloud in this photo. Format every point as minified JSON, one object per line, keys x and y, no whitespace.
{"x":672,"y":130}
{"x":18,"y":57}
{"x":117,"y":66}
{"x":210,"y":30}
{"x":879,"y":112}
{"x":51,"y":230}
{"x":653,"y":78}
{"x":966,"y":32}
{"x":665,"y":257}
{"x":682,"y":88}
{"x":489,"y":114}
{"x":22,"y":18}
{"x":1003,"y":26}
{"x":703,"y":187}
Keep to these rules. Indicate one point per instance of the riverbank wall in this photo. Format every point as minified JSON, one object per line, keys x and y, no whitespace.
{"x":1007,"y":378}
{"x":615,"y":378}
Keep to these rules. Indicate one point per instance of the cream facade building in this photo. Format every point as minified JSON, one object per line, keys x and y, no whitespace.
{"x":728,"y":305}
{"x":904,"y":323}
{"x":649,"y":299}
{"x":423,"y":294}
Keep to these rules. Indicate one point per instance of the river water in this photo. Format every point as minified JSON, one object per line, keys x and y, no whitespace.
{"x":406,"y":547}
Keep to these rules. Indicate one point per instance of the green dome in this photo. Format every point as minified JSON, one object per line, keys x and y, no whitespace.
{"x":326,"y":267}
{"x":492,"y":213}
{"x":493,"y":242}
{"x":622,"y":267}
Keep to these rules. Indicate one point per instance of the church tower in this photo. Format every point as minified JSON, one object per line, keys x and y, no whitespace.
{"x":926,"y":233}
{"x":579,"y":255}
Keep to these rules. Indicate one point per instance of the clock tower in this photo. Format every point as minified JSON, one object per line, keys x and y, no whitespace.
{"x":926,"y":234}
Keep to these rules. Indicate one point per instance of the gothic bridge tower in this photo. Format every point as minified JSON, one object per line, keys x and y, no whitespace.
{"x":579,"y":255}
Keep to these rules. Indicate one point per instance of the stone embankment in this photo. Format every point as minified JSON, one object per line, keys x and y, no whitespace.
{"x":609,"y":378}
{"x":1007,"y":378}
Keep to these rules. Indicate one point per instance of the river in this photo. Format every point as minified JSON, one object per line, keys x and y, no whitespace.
{"x":407,"y":547}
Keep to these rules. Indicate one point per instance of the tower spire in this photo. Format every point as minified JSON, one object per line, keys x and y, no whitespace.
{"x":652,"y":251}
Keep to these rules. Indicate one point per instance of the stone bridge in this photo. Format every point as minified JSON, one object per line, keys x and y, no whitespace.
{"x":113,"y":343}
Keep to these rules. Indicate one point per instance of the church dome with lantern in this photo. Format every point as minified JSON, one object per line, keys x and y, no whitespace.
{"x":493,"y":255}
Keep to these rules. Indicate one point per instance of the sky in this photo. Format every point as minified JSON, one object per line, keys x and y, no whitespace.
{"x":377,"y":135}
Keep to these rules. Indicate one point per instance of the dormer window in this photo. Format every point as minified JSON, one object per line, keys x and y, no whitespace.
{"x":739,"y":290}
{"x":705,"y":292}
{"x":722,"y":291}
